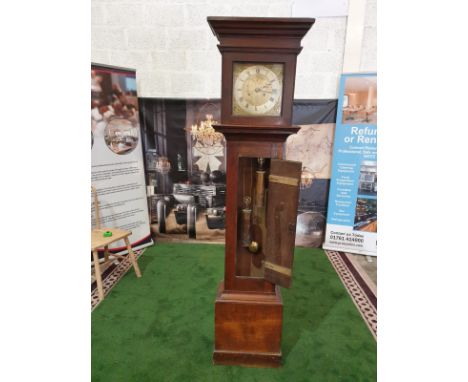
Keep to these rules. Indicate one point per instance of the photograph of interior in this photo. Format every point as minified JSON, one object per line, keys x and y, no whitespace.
{"x":368,"y":178}
{"x":185,"y":169}
{"x":114,"y":110}
{"x":366,"y":215}
{"x":360,"y":100}
{"x":121,"y":135}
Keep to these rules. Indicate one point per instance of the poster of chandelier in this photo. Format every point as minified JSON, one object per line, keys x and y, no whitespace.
{"x":186,"y":169}
{"x":352,"y":207}
{"x":117,"y":170}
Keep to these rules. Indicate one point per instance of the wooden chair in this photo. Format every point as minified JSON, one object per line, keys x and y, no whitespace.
{"x":98,"y":240}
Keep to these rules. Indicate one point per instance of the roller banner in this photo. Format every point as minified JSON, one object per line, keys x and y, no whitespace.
{"x":117,"y":169}
{"x":352,"y":203}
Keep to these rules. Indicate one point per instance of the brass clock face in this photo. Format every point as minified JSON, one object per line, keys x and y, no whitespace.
{"x":257,"y":89}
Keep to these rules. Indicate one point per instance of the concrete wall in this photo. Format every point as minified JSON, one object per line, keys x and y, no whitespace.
{"x":369,"y":38}
{"x":171,"y":45}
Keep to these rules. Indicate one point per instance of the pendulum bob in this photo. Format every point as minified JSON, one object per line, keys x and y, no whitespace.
{"x":283,"y":195}
{"x":256,"y":248}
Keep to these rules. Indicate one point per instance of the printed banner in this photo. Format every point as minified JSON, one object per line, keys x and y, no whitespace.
{"x":186,"y":170}
{"x":352,"y":202}
{"x":117,"y":170}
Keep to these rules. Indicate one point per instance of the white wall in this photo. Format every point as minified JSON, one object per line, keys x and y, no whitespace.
{"x":369,"y":39}
{"x":172,"y":48}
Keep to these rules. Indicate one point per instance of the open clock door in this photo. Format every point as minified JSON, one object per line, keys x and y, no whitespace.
{"x":283,"y":195}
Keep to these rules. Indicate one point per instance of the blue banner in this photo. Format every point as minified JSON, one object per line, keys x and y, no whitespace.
{"x":352,"y":203}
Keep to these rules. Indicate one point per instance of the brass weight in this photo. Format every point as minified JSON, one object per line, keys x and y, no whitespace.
{"x":254,"y":247}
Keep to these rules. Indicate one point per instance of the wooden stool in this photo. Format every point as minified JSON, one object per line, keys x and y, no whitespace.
{"x":98,"y":240}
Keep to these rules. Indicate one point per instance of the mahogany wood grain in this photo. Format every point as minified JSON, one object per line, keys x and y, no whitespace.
{"x":272,"y":40}
{"x":248,"y":328}
{"x":283,"y":195}
{"x":249,"y":310}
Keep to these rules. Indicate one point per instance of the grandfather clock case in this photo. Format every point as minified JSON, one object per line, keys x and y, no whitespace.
{"x":258,"y":72}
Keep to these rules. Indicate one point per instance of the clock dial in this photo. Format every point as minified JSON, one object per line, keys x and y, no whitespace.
{"x":257,"y":89}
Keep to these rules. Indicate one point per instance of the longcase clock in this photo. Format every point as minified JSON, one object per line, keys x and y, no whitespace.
{"x":258,"y":71}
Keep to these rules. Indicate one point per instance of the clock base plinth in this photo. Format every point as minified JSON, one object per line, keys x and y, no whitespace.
{"x":248,"y":328}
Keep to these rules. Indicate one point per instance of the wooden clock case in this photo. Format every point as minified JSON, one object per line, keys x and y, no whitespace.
{"x":248,"y":306}
{"x":259,"y":39}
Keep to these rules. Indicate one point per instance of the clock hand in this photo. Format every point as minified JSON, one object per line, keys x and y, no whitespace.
{"x":269,"y":83}
{"x":264,"y":88}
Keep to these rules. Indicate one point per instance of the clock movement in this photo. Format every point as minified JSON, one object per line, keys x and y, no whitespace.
{"x":257,"y":87}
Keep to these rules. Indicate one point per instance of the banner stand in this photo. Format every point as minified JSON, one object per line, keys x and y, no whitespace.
{"x":352,"y":202}
{"x":117,"y":169}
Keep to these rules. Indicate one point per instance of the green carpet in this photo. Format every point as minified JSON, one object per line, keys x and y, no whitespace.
{"x":161,"y":327}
